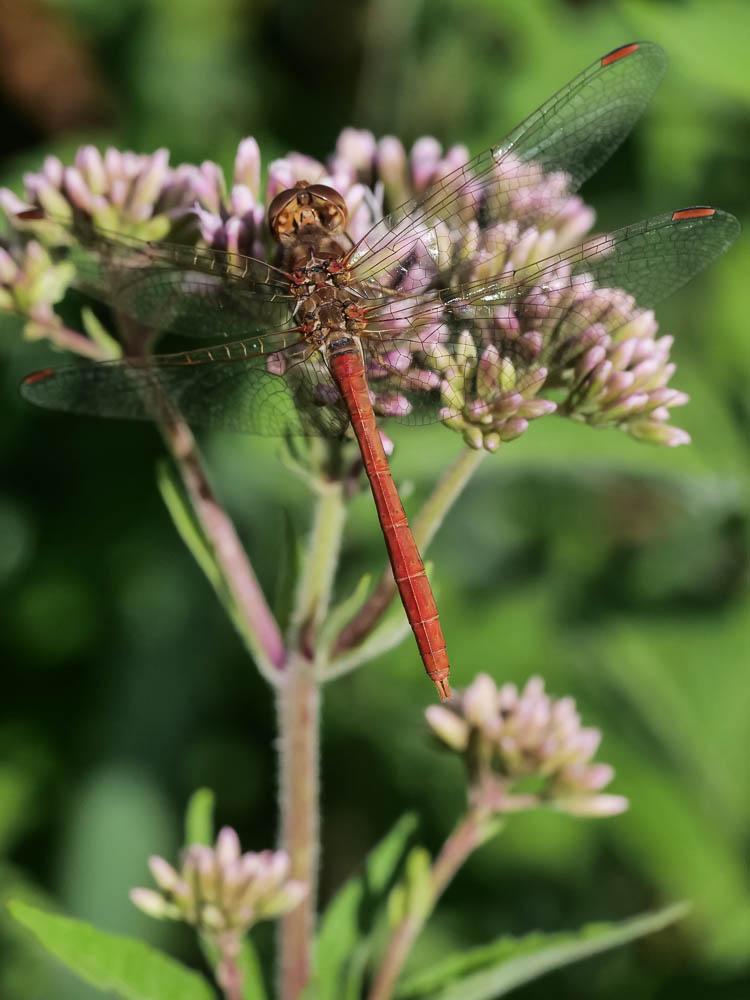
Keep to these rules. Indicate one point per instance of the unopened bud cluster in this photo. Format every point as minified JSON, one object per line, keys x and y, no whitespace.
{"x":524,"y":749}
{"x":219,"y":889}
{"x":31,"y":285}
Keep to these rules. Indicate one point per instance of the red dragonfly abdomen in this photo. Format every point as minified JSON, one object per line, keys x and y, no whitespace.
{"x":408,"y":569}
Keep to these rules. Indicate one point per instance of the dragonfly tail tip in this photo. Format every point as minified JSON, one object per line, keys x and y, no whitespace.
{"x":443,"y":688}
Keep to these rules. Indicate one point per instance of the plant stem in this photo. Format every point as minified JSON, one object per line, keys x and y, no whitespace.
{"x":425,"y":527}
{"x":321,"y":559}
{"x":299,"y":726}
{"x":259,"y":627}
{"x":228,"y":972}
{"x":262,"y":631}
{"x":258,"y":624}
{"x":73,"y":341}
{"x":470,"y":833}
{"x":299,"y":737}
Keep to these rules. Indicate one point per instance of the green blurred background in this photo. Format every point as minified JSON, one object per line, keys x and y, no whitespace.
{"x":616,"y":570}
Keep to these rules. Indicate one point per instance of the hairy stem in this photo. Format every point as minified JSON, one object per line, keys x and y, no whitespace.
{"x":299,"y":737}
{"x":321,"y":559}
{"x":470,"y":833}
{"x":299,"y":727}
{"x":228,"y":973}
{"x":425,"y":527}
{"x":255,"y":618}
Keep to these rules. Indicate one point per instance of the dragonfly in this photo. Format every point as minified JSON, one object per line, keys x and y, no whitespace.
{"x":329,"y":337}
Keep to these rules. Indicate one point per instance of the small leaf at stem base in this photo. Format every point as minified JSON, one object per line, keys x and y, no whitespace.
{"x":199,"y":818}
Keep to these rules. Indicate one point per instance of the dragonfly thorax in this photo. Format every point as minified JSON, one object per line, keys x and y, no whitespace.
{"x":330,"y":312}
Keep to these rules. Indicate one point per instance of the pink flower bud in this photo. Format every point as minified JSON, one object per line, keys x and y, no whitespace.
{"x":247,"y":166}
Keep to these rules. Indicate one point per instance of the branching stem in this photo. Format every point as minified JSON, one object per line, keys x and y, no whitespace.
{"x":253,"y":617}
{"x":470,"y":833}
{"x":228,"y":972}
{"x":299,"y":738}
{"x":73,"y":341}
{"x":256,"y":620}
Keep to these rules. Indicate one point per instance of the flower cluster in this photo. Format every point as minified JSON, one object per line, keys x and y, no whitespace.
{"x":620,"y":375}
{"x":524,"y":749}
{"x":486,"y":397}
{"x":218,"y":889}
{"x":587,"y":353}
{"x":32,"y":284}
{"x":121,"y":192}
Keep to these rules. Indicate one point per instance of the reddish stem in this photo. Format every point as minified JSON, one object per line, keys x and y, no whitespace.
{"x":298,"y":726}
{"x":228,"y":972}
{"x":226,"y":546}
{"x":218,"y":528}
{"x":470,"y":833}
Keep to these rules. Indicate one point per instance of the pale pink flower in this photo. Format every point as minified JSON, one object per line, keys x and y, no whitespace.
{"x":509,"y":737}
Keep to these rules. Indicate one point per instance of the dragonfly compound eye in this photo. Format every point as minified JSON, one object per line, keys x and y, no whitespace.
{"x":281,"y":213}
{"x":330,"y":206}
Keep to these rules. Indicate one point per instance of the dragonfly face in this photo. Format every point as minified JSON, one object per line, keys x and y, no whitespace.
{"x":304,"y":207}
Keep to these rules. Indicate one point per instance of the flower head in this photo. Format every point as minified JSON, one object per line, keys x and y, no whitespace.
{"x":219,"y":889}
{"x":31,"y":284}
{"x":524,"y":749}
{"x":122,"y":192}
{"x":585,"y":352}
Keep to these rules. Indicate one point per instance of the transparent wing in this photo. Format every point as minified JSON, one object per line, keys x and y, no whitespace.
{"x":267,"y":386}
{"x":540,"y":318}
{"x":169,"y":287}
{"x":574,"y":132}
{"x":649,"y":260}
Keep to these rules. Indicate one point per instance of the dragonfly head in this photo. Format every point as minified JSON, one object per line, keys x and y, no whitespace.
{"x":306,"y":206}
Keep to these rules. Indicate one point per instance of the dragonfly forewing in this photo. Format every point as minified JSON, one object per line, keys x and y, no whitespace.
{"x":565,"y":141}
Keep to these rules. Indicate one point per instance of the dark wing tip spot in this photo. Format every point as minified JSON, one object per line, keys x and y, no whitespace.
{"x":620,"y":53}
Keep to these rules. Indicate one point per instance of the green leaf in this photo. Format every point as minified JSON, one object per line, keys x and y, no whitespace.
{"x":199,"y":817}
{"x":343,"y":946}
{"x":191,"y":533}
{"x":129,"y":968}
{"x":289,"y":564}
{"x":253,"y":986}
{"x":98,"y":333}
{"x":184,"y":520}
{"x":495,"y":969}
{"x":340,"y":615}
